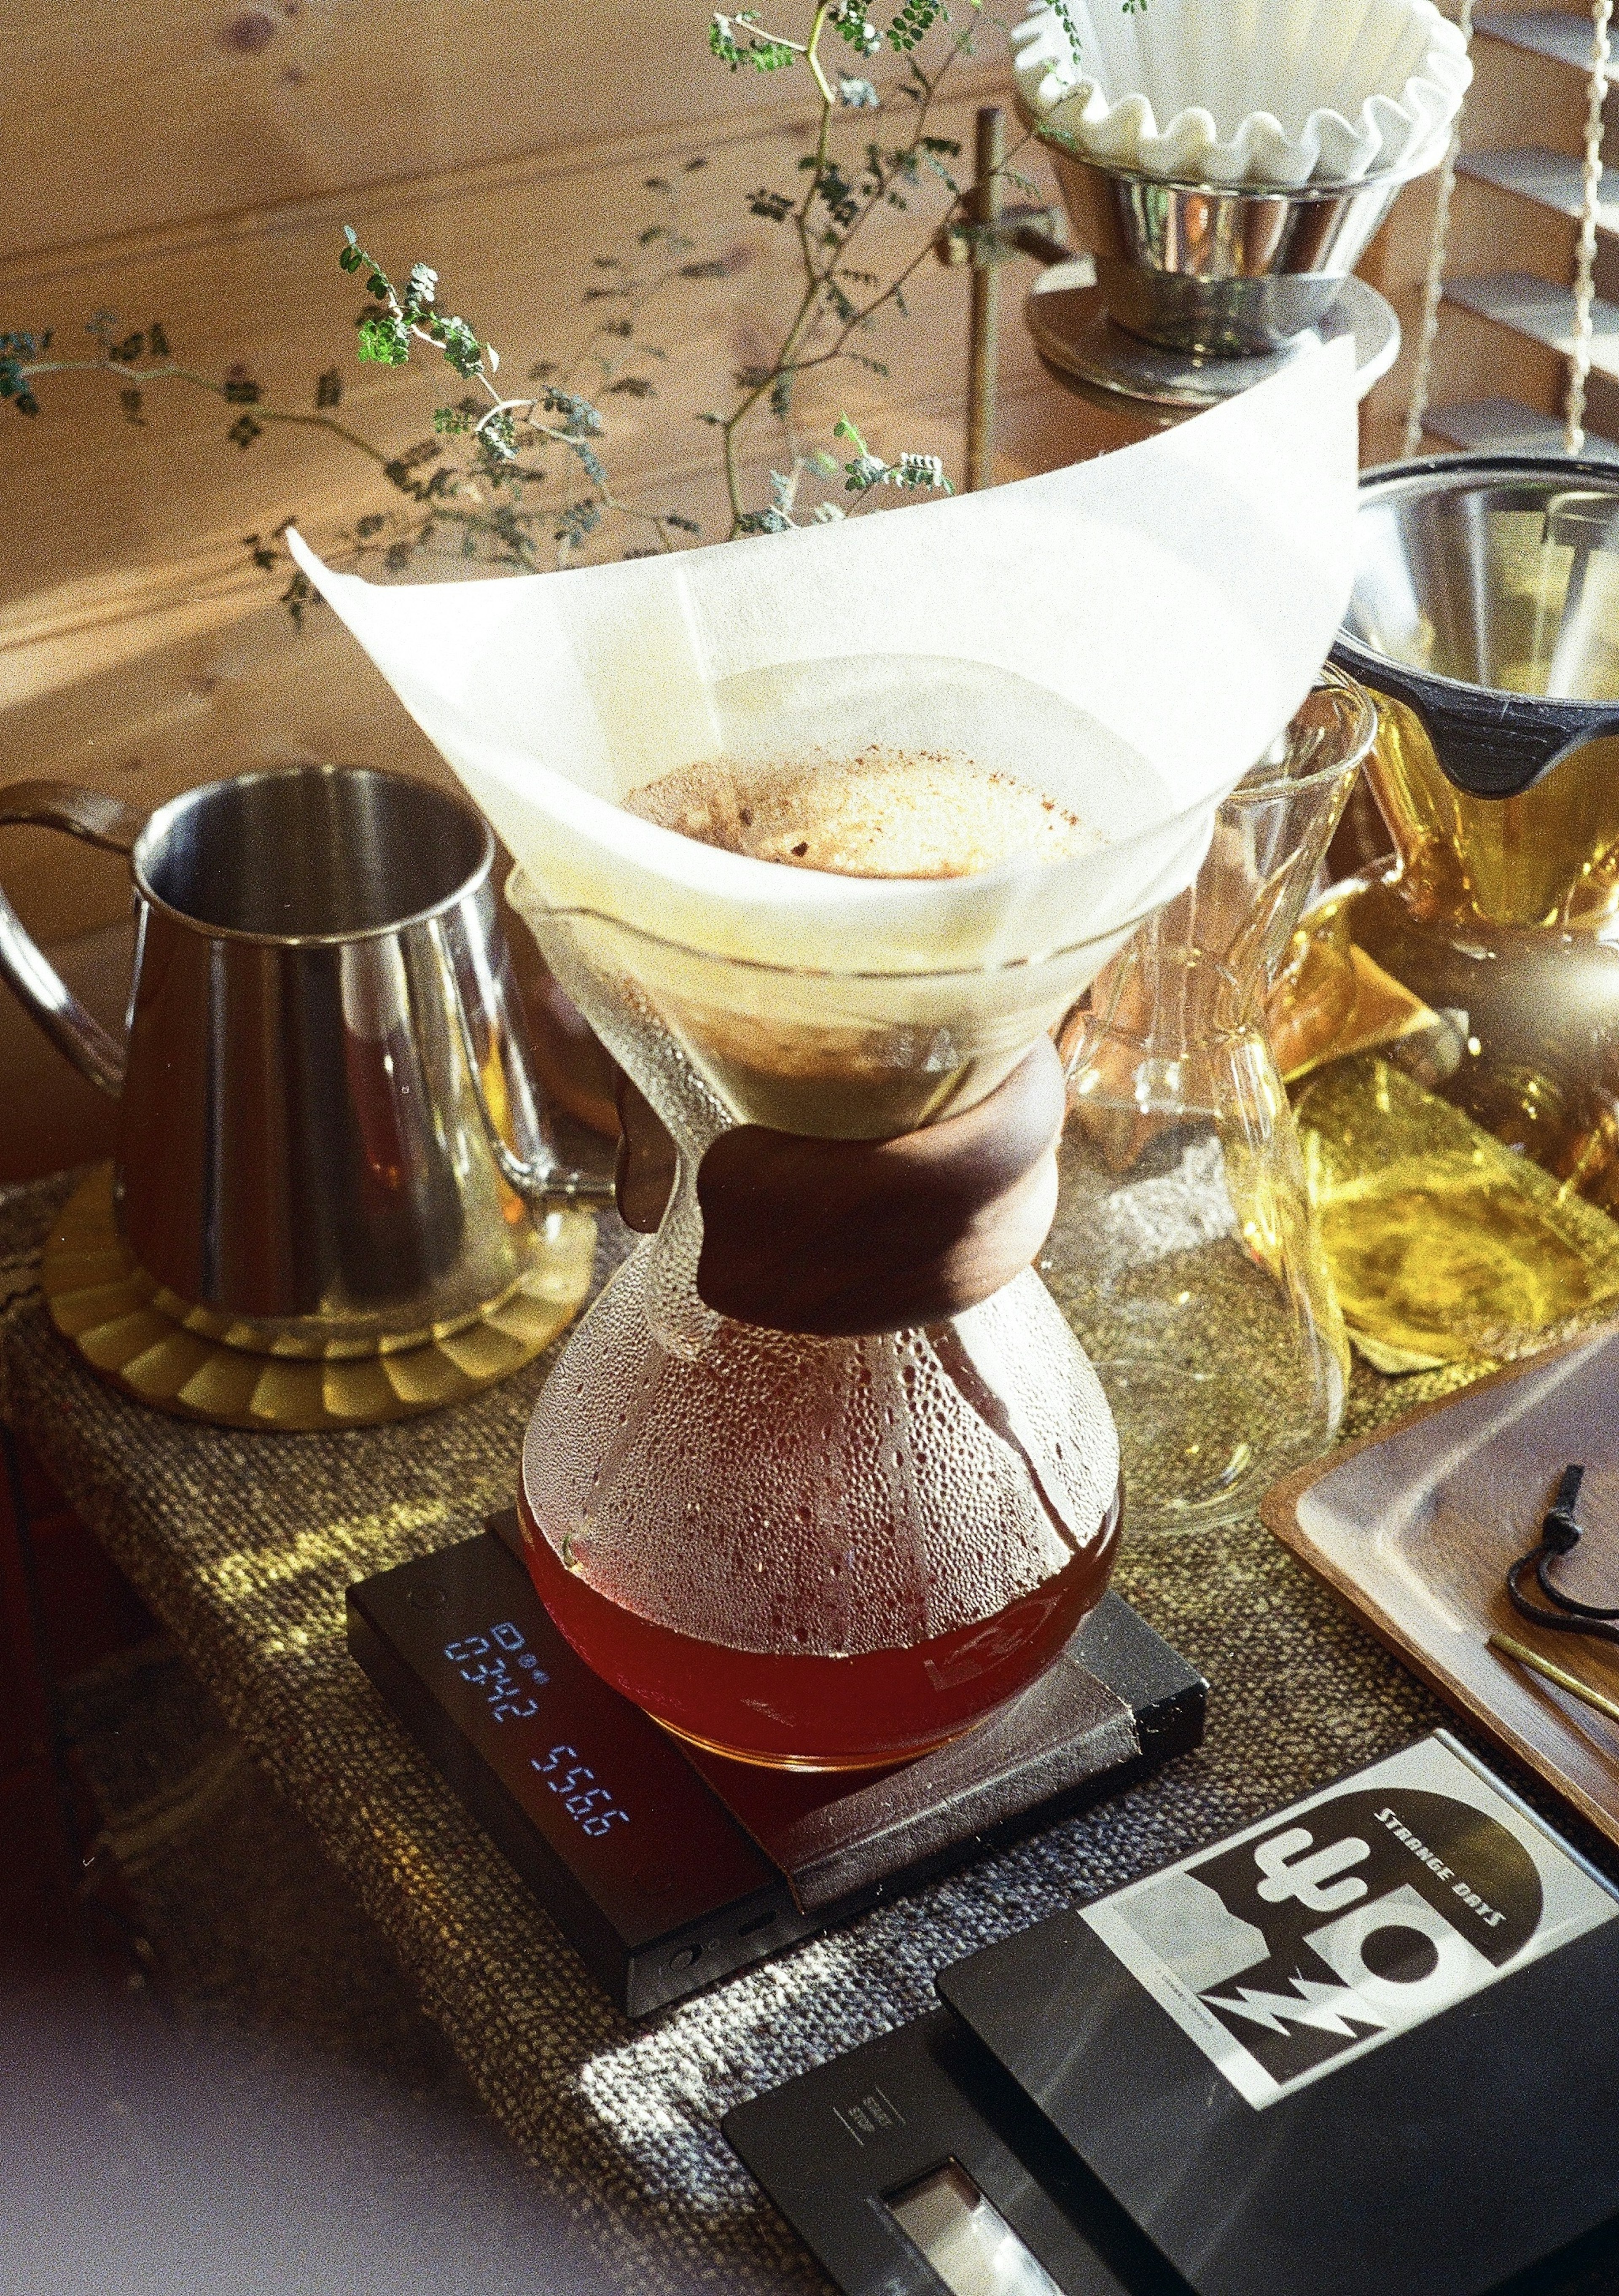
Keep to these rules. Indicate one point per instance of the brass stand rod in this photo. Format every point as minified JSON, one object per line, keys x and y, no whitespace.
{"x":983,"y":340}
{"x":1559,"y":1674}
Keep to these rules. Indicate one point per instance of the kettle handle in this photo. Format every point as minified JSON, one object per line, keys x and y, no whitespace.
{"x":99,"y":820}
{"x":542,"y":1179}
{"x":1495,"y":744}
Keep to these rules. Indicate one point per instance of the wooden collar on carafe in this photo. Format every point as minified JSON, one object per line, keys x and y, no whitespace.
{"x":837,"y":1238}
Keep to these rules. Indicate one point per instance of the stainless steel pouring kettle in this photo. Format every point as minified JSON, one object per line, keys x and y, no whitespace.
{"x":326,"y":1112}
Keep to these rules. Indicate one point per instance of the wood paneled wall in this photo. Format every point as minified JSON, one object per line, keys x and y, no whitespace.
{"x":138,"y":647}
{"x":133,"y":116}
{"x":195,"y":164}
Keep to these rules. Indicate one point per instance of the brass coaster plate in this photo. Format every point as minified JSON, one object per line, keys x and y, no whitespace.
{"x":116,"y":1316}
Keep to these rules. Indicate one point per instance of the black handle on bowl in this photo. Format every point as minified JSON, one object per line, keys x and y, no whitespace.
{"x":1491,"y":745}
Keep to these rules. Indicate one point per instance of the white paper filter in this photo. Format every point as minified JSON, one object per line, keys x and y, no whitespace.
{"x":1282,"y":92}
{"x":1129,"y":633}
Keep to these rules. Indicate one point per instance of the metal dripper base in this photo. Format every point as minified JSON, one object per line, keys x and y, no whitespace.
{"x":1084,"y":349}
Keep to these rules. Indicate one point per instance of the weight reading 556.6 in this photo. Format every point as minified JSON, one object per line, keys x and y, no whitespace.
{"x":487,"y":1661}
{"x":591,"y":1807}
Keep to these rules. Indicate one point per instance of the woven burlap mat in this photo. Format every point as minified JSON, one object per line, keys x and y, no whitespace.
{"x":243,"y":1544}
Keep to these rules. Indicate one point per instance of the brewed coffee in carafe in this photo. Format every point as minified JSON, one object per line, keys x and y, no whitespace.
{"x":840,"y":1543}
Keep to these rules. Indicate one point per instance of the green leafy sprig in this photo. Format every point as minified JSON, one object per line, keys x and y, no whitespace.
{"x":484,"y":485}
{"x":487,"y":482}
{"x":860,"y":476}
{"x":838,"y":301}
{"x":499,"y":428}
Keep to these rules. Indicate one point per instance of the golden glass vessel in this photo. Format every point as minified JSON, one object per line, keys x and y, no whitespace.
{"x":1449,"y":1022}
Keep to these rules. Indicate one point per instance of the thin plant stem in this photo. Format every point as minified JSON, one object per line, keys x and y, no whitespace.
{"x":788,"y":361}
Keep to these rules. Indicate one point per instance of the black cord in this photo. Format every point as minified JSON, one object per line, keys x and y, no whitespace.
{"x":1560,"y":1533}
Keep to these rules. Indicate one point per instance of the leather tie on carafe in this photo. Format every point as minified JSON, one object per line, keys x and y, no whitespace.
{"x":839,"y":1238}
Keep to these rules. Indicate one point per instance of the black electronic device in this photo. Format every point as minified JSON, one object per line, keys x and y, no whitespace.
{"x":1369,"y":2047}
{"x":912,"y":2164}
{"x":669,"y":1869}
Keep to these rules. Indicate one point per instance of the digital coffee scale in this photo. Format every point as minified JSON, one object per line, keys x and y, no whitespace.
{"x":1369,"y":2047}
{"x":668,"y":1868}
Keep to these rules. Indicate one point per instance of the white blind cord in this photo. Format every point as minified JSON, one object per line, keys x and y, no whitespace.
{"x":1433,"y":285}
{"x":1580,"y":349}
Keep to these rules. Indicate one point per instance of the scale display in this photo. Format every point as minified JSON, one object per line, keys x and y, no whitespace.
{"x":961,"y":2233}
{"x":909,"y":2168}
{"x":595,"y":1806}
{"x":489,"y":1661}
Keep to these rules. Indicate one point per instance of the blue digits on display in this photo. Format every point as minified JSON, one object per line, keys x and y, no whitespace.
{"x":591,"y":1807}
{"x":487,"y":1661}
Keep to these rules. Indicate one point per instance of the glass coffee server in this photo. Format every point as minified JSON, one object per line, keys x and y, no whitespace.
{"x":1186,"y":1252}
{"x":813,"y":1488}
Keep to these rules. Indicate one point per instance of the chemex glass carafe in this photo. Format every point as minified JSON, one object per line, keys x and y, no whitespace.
{"x":842,"y":1542}
{"x":824,"y":1477}
{"x":1449,"y":1022}
{"x":1185,"y":1251}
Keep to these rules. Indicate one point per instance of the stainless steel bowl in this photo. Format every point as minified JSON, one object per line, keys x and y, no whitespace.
{"x":1217,"y":270}
{"x":1486,"y":599}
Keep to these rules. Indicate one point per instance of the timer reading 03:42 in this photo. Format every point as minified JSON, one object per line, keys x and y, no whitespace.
{"x":502,"y":1668}
{"x":490,"y":1668}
